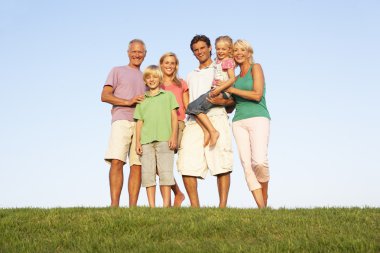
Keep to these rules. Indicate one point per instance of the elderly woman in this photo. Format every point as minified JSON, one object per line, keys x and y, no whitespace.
{"x":251,"y":122}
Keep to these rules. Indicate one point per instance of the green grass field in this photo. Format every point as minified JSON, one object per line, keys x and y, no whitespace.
{"x":190,"y":230}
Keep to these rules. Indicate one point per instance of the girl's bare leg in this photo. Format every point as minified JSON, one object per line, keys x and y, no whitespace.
{"x":206,"y":125}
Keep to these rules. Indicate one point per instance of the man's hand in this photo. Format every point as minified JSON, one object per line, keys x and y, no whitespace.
{"x":219,"y":100}
{"x":229,"y":104}
{"x":136,"y":100}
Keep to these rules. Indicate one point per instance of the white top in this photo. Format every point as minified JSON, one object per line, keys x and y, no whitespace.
{"x":199,"y":82}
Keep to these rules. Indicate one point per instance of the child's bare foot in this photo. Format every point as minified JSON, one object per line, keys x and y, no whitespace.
{"x":214,"y":138}
{"x":206,"y":138}
{"x":178,"y":199}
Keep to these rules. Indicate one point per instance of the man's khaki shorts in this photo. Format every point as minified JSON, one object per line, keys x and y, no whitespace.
{"x":194,"y":159}
{"x":122,"y":143}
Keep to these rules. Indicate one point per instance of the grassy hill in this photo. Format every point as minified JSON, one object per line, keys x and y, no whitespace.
{"x":190,"y":230}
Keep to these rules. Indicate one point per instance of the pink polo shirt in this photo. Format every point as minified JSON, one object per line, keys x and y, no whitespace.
{"x":127,"y":83}
{"x":178,"y":93}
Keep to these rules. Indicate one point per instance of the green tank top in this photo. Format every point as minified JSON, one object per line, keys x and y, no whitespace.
{"x":248,"y":108}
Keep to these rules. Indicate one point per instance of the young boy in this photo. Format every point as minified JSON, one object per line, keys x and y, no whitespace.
{"x":156,"y":136}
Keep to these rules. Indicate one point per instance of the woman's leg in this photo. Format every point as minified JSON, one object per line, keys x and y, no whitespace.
{"x":259,"y":137}
{"x":242,"y":138}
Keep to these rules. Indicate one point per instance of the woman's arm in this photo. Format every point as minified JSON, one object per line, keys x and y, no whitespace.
{"x":258,"y":89}
{"x":224,"y":85}
{"x":185,"y":99}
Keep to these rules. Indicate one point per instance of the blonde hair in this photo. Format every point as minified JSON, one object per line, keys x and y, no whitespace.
{"x":175,"y":74}
{"x":226,"y":39}
{"x":152,"y":70}
{"x":245,"y":45}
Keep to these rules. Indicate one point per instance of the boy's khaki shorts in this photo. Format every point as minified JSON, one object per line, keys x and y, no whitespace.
{"x":194,"y":159}
{"x":157,"y":158}
{"x":122,"y":143}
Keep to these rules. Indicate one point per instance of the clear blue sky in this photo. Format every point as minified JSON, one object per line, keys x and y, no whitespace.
{"x":320,"y":60}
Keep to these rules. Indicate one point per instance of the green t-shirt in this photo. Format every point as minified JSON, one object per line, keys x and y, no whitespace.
{"x":248,"y":108}
{"x":155,"y":112}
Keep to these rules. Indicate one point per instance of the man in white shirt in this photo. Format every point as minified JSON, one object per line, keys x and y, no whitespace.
{"x":194,"y":160}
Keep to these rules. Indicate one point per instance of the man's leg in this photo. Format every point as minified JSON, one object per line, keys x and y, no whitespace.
{"x":223,"y":188}
{"x":191,"y":186}
{"x":134,"y":184}
{"x":116,"y":181}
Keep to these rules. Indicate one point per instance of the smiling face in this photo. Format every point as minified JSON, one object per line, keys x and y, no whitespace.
{"x":152,"y":81}
{"x":241,"y":54}
{"x":223,"y":50}
{"x":201,"y":51}
{"x":136,"y":54}
{"x":169,"y":66}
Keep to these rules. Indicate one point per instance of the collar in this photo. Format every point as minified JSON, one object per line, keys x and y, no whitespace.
{"x":148,"y":95}
{"x":209,"y":66}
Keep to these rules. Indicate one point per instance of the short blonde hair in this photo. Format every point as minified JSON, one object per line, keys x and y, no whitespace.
{"x":152,"y":70}
{"x":245,"y":44}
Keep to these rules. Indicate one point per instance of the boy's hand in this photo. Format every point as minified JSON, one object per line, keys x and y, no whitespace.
{"x":172,"y":143}
{"x":139,"y":149}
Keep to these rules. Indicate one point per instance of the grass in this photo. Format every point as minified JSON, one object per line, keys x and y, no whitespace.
{"x":189,"y":230}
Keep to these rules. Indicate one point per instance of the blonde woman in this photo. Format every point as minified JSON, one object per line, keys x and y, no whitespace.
{"x":169,"y":66}
{"x":251,"y":121}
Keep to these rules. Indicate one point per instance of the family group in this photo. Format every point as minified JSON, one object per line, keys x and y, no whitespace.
{"x":156,"y":114}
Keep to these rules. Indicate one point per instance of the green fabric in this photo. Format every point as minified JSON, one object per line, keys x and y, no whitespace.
{"x":248,"y":108}
{"x":155,"y":112}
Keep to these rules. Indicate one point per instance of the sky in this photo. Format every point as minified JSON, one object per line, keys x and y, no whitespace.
{"x":321,"y":65}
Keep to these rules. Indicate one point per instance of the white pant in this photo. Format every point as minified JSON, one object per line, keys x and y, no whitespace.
{"x":252,"y":136}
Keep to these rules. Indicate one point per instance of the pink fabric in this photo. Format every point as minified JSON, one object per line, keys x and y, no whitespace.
{"x":228,"y":64}
{"x":221,"y":67}
{"x":178,"y":93}
{"x":251,"y":136}
{"x":127,"y":83}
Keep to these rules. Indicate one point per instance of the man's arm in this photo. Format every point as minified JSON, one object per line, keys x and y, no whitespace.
{"x":109,"y":97}
{"x":228,"y":103}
